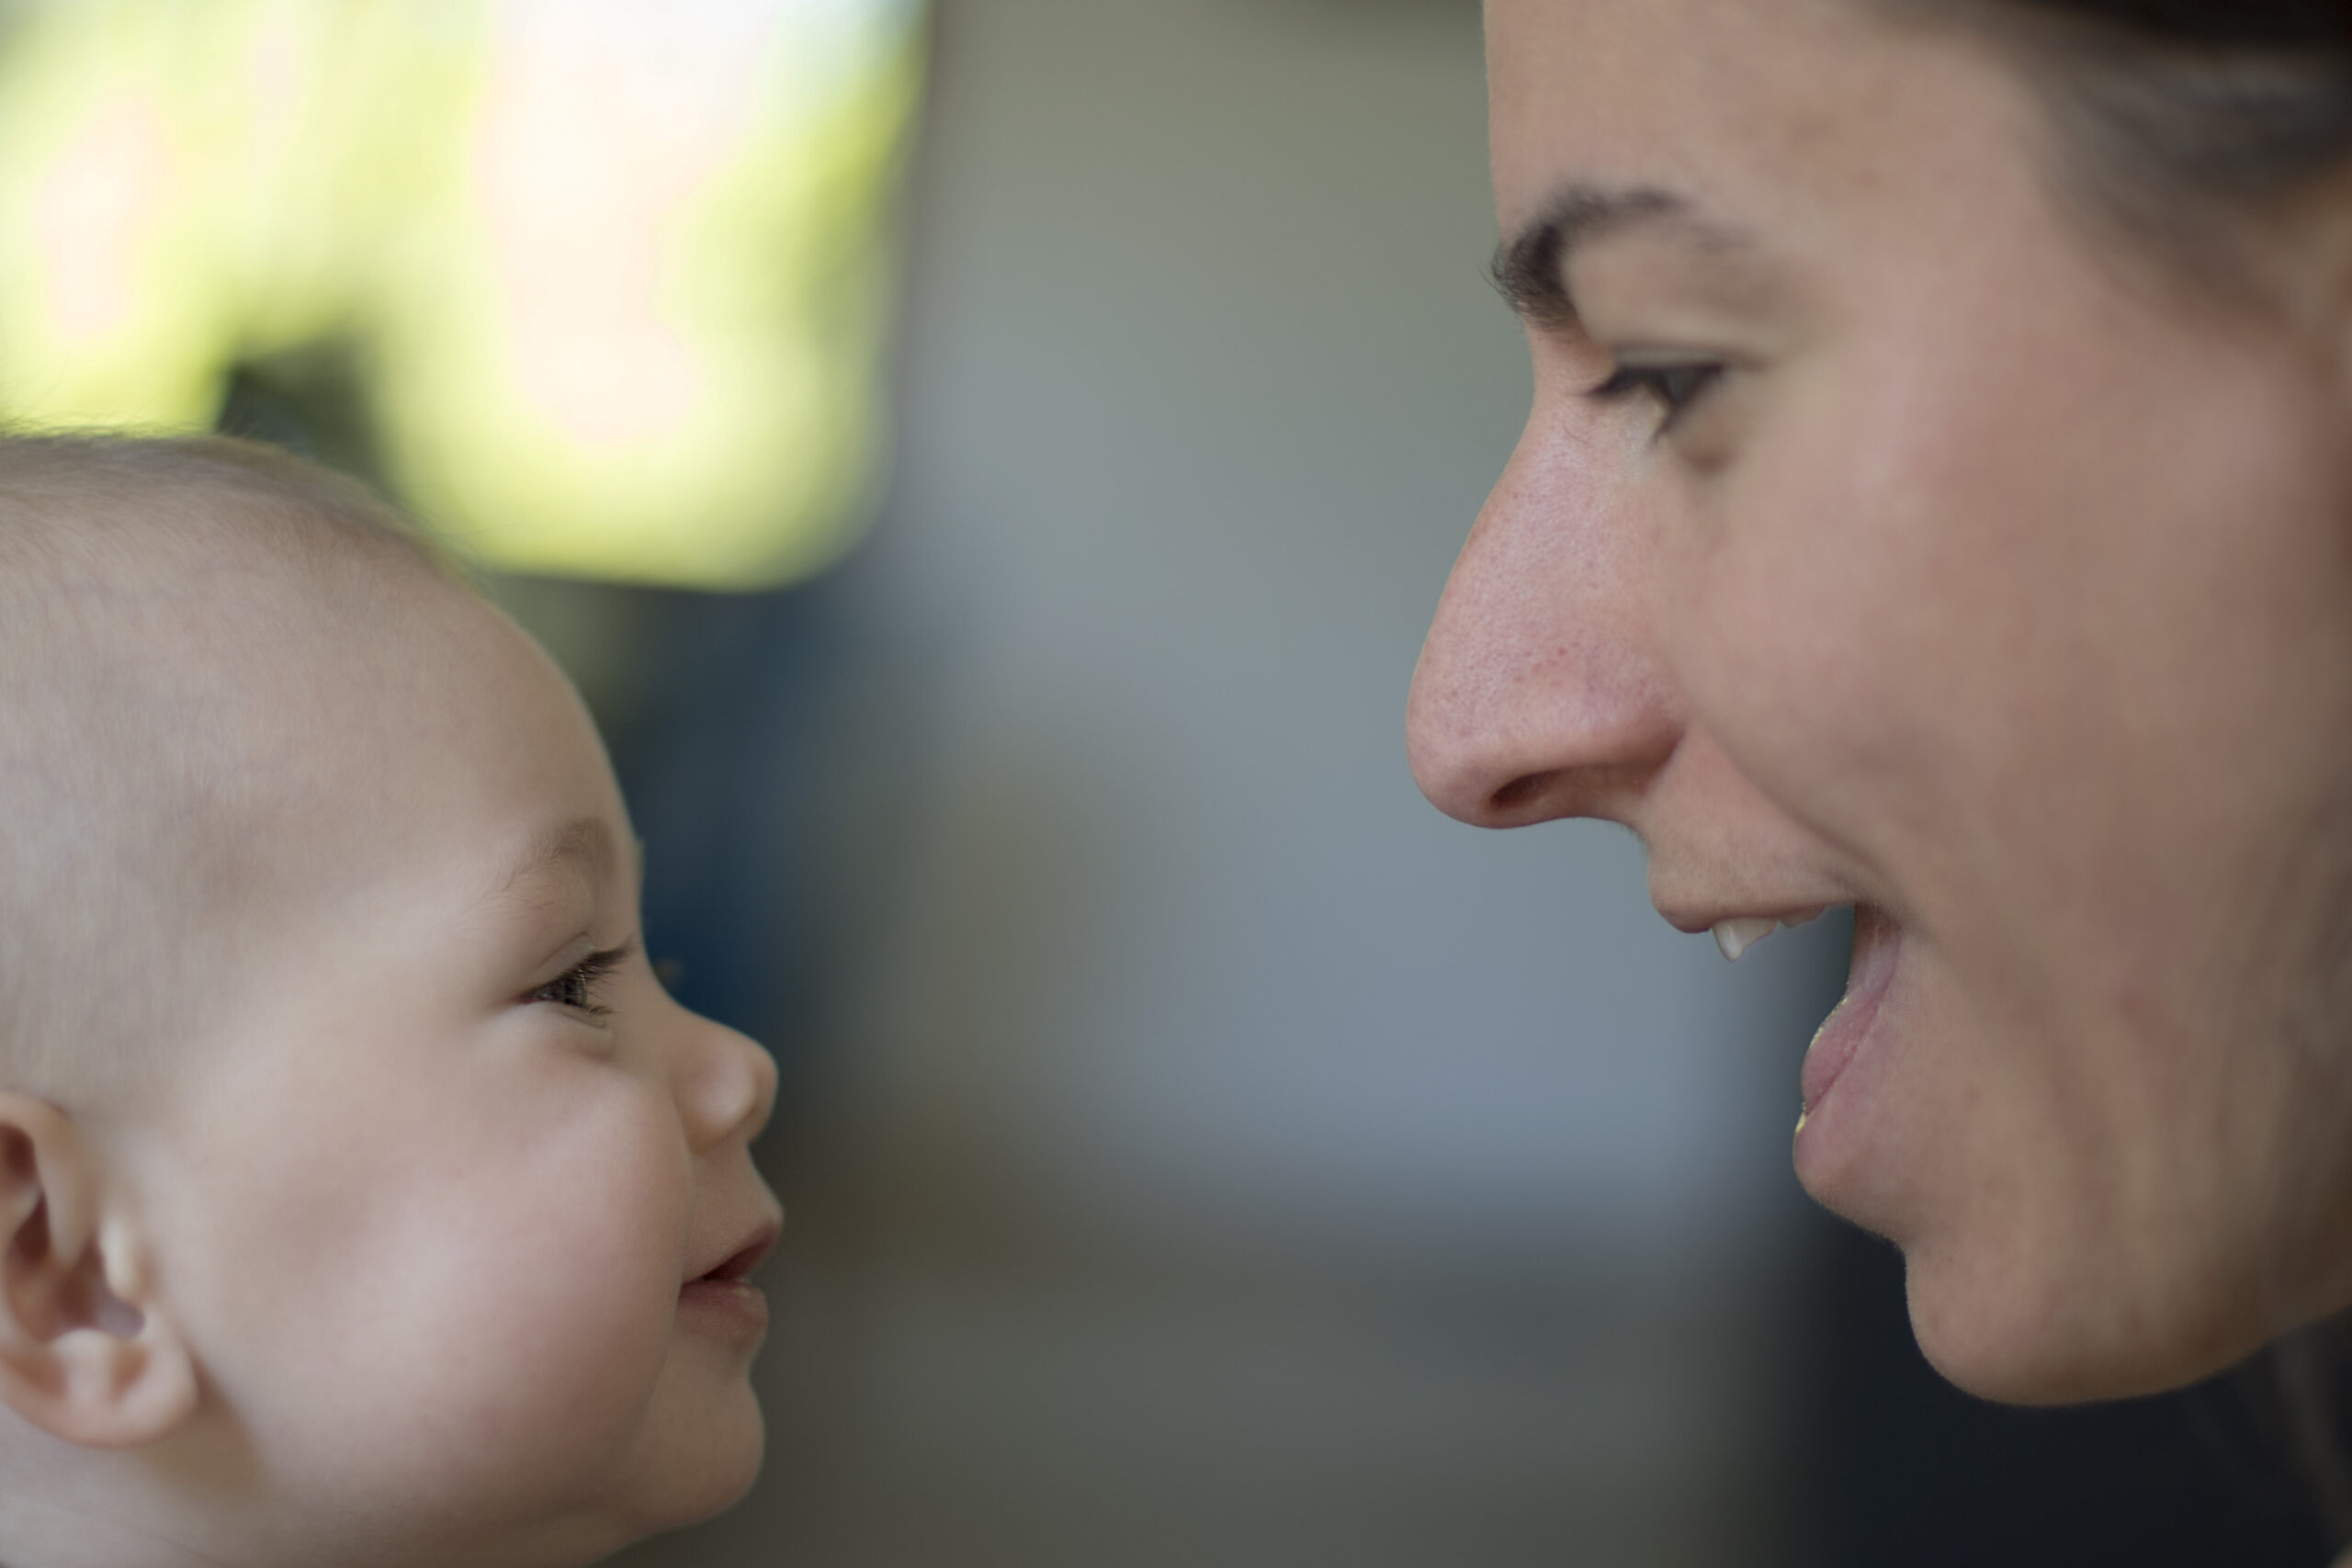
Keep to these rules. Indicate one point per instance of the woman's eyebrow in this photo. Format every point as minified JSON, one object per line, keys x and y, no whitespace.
{"x":1530,"y":268}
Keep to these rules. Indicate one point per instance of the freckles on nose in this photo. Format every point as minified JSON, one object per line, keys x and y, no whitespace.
{"x":1536,"y":697}
{"x":1518,"y":731}
{"x":1538,"y":693}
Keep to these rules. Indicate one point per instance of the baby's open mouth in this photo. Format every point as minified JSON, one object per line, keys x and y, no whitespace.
{"x":723,"y":1299}
{"x":738,"y":1264}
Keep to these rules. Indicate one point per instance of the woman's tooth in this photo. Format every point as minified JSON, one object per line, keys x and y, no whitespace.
{"x":1736,"y":936}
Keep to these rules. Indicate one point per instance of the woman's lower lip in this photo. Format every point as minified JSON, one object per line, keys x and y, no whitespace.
{"x":1878,"y":947}
{"x":736,"y":1307}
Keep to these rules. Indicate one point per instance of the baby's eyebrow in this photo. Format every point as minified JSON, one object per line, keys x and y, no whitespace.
{"x":584,"y":843}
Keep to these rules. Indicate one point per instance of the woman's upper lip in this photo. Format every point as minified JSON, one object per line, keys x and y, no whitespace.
{"x":746,"y":1254}
{"x":1692,"y":920}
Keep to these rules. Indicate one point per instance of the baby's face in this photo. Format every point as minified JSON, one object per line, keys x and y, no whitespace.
{"x":448,"y":1209}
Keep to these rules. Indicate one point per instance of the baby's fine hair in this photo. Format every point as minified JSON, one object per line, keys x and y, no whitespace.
{"x":143,"y":582}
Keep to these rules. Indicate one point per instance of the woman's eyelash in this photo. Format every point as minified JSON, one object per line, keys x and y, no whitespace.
{"x":577,"y":987}
{"x":1675,"y":386}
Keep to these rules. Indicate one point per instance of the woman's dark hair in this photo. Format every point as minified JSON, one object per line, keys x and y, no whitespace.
{"x":2171,"y":113}
{"x":2245,"y":24}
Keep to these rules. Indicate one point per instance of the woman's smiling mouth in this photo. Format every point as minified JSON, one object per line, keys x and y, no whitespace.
{"x":1740,"y":932}
{"x":1878,"y":948}
{"x":1877,"y":942}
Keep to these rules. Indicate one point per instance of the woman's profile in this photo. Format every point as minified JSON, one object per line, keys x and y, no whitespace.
{"x":1938,"y":501}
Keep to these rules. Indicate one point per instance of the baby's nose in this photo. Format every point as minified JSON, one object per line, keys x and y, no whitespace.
{"x":726,"y":1085}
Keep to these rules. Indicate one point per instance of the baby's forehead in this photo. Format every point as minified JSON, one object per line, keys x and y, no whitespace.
{"x":188,"y":553}
{"x":216,"y":637}
{"x":197,"y":642}
{"x":193,"y":678}
{"x":202,"y":574}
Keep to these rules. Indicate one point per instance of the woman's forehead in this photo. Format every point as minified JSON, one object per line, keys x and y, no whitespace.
{"x":1743,"y":111}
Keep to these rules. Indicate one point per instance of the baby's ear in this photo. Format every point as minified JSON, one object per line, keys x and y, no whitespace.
{"x":86,"y":1352}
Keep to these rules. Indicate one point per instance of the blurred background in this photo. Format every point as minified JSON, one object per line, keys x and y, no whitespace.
{"x":988,"y":467}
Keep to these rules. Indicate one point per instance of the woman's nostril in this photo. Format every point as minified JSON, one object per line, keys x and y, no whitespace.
{"x":1514,"y":799}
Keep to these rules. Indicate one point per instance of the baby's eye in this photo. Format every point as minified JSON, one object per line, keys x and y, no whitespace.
{"x":579,"y":986}
{"x":1676,"y":384}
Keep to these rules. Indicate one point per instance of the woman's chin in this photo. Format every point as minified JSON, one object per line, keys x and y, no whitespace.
{"x":1994,"y":1327}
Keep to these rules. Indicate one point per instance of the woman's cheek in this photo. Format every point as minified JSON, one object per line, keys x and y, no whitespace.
{"x":1770,"y":628}
{"x":1820,"y":614}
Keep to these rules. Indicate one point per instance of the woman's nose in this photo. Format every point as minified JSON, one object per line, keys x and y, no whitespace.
{"x":1539,"y":692}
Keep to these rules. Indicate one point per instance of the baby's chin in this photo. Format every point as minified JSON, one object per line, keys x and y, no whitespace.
{"x":696,"y":1456}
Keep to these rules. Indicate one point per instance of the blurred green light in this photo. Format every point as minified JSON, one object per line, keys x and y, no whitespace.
{"x":617,"y":273}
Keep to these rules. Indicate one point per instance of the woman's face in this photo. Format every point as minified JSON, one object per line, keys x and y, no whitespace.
{"x":1887,"y":533}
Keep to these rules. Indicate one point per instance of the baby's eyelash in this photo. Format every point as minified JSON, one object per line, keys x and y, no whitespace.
{"x":577,"y":987}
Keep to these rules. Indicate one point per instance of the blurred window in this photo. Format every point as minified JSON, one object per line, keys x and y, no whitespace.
{"x":609,"y":277}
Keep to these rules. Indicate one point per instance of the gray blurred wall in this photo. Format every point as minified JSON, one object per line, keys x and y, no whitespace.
{"x":1211,"y":1155}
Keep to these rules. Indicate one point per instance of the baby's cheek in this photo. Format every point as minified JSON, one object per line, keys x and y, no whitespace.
{"x":532,"y":1327}
{"x":450,"y":1311}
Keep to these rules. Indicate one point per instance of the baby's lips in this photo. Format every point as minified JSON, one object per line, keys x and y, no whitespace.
{"x":748,"y":1252}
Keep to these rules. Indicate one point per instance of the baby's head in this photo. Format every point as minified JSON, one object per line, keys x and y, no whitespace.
{"x":363,"y":1196}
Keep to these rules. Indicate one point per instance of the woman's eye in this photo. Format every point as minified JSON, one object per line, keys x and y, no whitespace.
{"x":579,"y":986}
{"x":1674,"y":385}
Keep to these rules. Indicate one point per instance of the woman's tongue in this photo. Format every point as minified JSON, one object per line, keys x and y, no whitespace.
{"x":1878,"y":945}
